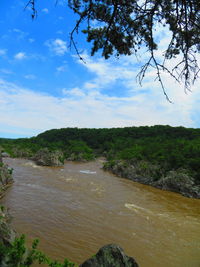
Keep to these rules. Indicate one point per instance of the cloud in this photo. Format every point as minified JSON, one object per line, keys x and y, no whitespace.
{"x":75,"y":92}
{"x":57,"y":46}
{"x":30,"y":76}
{"x":20,"y":109}
{"x":20,"y":56}
{"x":19,"y":33}
{"x":6,"y":71}
{"x":3,"y":52}
{"x":61,"y":2}
{"x":31,"y":40}
{"x":62,"y":68}
{"x":45,"y":10}
{"x":59,"y":32}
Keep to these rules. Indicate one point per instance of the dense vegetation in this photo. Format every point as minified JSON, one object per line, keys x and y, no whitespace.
{"x":16,"y":254}
{"x":167,"y":148}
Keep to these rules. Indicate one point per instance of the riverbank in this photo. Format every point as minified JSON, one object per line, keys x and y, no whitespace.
{"x":7,"y":234}
{"x":144,"y":172}
{"x":161,"y":156}
{"x":178,"y":181}
{"x":6,"y":179}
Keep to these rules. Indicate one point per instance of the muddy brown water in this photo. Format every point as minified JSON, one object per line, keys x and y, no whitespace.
{"x":76,"y":209}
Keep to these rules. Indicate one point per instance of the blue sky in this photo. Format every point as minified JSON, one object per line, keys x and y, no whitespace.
{"x":43,"y":84}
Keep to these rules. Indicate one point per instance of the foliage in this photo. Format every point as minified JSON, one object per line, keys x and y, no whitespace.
{"x":170,"y":148}
{"x":124,"y":27}
{"x":17,"y":255}
{"x":78,"y":150}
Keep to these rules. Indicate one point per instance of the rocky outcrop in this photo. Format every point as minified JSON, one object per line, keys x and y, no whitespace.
{"x":5,"y":177}
{"x":110,"y":256}
{"x":18,"y":152}
{"x":5,"y":155}
{"x":7,"y":234}
{"x":178,"y":181}
{"x":79,"y":157}
{"x":45,"y":157}
{"x":141,"y":172}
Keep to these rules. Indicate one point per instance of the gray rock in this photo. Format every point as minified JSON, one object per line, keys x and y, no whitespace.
{"x":45,"y":157}
{"x":110,"y":256}
{"x":5,"y":155}
{"x":5,"y":177}
{"x":179,"y":181}
{"x":7,"y":234}
{"x":145,"y":173}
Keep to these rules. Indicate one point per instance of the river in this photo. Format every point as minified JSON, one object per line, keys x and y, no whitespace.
{"x":76,"y":209}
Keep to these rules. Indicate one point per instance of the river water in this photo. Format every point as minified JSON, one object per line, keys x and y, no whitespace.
{"x":76,"y":209}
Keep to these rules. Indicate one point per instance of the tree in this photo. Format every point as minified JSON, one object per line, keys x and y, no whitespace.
{"x":123,"y":27}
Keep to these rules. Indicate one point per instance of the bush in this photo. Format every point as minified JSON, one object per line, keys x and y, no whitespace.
{"x":17,"y":255}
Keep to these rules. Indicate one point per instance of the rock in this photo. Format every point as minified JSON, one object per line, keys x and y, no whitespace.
{"x":179,"y":181}
{"x":110,"y":256}
{"x":18,"y":152}
{"x":7,"y":234}
{"x":5,"y":154}
{"x":145,"y":173}
{"x":5,"y":177}
{"x":45,"y":157}
{"x":133,"y":171}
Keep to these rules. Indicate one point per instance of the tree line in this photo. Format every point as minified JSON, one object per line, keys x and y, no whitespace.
{"x":169,"y":147}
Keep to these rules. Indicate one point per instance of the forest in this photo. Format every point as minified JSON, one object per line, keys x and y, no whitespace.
{"x":168,"y":148}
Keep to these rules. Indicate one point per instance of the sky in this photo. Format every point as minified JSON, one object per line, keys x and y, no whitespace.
{"x":44,"y":85}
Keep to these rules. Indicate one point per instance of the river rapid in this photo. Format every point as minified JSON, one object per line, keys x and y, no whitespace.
{"x":76,"y":209}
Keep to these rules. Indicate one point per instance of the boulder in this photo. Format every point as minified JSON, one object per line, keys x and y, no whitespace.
{"x":179,"y":181}
{"x":110,"y":256}
{"x":7,"y":234}
{"x":5,"y":154}
{"x":5,"y":177}
{"x":45,"y":157}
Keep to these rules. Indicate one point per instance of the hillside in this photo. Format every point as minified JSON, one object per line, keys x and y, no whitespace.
{"x":144,"y":154}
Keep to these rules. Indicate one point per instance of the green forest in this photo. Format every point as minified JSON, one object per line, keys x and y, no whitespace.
{"x":168,"y":148}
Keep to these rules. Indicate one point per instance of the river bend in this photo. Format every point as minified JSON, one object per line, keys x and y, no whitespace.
{"x":76,"y":209}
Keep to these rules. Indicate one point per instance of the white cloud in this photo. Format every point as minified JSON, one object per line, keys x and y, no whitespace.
{"x":57,"y":46}
{"x":61,"y":2}
{"x":20,"y":109}
{"x":62,"y":68}
{"x":59,"y":32}
{"x":31,"y":40}
{"x":3,"y":52}
{"x":6,"y":71}
{"x":20,"y":56}
{"x":75,"y":92}
{"x":19,"y":34}
{"x":30,"y":76}
{"x":45,"y":10}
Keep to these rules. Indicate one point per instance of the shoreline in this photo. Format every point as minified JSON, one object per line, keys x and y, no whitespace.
{"x":175,"y":181}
